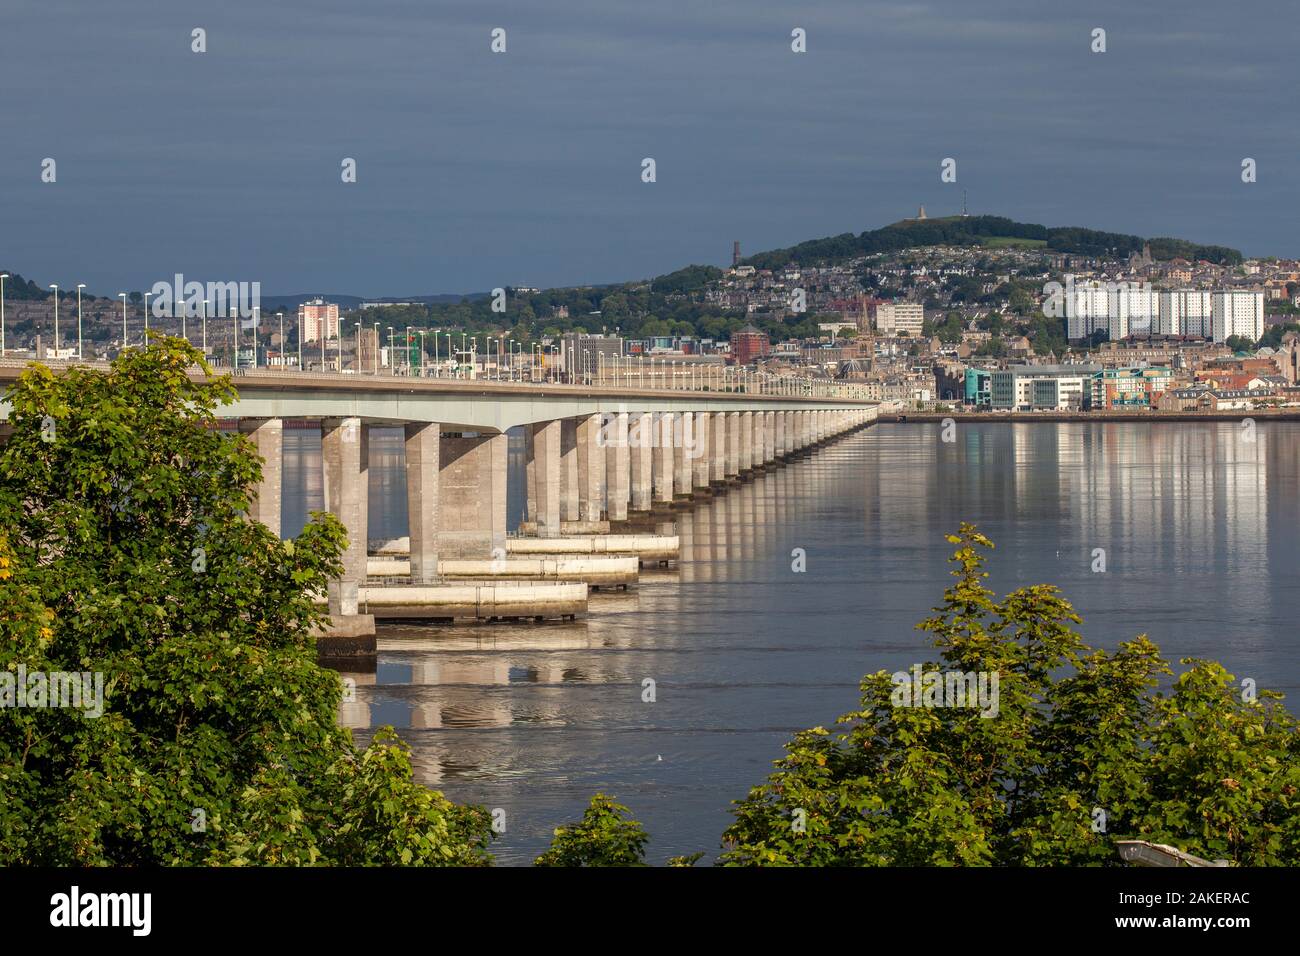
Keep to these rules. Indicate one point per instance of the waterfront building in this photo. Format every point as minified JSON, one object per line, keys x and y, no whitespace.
{"x":979,"y":387}
{"x":1026,"y":388}
{"x":1135,"y":387}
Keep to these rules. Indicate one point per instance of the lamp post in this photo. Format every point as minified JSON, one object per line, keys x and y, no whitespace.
{"x":300,"y":342}
{"x":376,"y":348}
{"x":357,"y":363}
{"x":205,"y":329}
{"x":144,"y":336}
{"x":234,"y":341}
{"x":3,"y":276}
{"x":257,"y":327}
{"x":80,"y":286}
{"x":56,"y":320}
{"x":423,"y":357}
{"x":122,"y":296}
{"x":280,"y":315}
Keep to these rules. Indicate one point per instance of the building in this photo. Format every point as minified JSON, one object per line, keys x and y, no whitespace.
{"x":900,"y":318}
{"x":1137,"y":387}
{"x":1026,"y":388}
{"x":1184,"y":312}
{"x":1119,"y":309}
{"x":318,"y":318}
{"x":586,"y":355}
{"x":1239,"y":313}
{"x":749,"y":344}
{"x":979,"y":387}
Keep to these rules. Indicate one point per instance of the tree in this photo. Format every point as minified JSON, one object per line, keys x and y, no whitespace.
{"x":1081,"y":751}
{"x":126,"y":551}
{"x":606,"y":836}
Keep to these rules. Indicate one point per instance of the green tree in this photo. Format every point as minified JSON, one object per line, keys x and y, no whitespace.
{"x":126,"y":551}
{"x":606,"y":836}
{"x":1079,"y":736}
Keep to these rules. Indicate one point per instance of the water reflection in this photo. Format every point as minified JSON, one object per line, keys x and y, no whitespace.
{"x":1197,"y":526}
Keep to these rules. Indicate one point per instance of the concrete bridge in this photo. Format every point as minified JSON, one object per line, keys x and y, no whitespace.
{"x":595,"y":455}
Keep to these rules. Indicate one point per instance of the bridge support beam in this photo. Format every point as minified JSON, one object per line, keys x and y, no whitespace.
{"x":267,"y":436}
{"x":422,"y":472}
{"x":779,"y":432}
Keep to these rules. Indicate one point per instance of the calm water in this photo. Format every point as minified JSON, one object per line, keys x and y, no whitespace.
{"x":1199,"y":529}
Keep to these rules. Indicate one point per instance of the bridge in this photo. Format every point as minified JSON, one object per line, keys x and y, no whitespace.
{"x":597,"y":457}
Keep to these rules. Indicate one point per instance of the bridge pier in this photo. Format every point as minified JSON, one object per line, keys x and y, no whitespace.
{"x":267,"y":436}
{"x":423,"y":441}
{"x":472,"y":495}
{"x":543,"y":473}
{"x":700,"y":464}
{"x":717,"y":448}
{"x":591,"y":468}
{"x":640,"y":438}
{"x":662,"y":456}
{"x":345,"y":456}
{"x":683,"y":435}
{"x":618,"y":469}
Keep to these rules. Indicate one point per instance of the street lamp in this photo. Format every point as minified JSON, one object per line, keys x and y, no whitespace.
{"x":144,"y":336}
{"x":56,"y":320}
{"x":281,"y":349}
{"x":234,"y":342}
{"x":205,"y":330}
{"x":376,"y":348}
{"x":80,"y":286}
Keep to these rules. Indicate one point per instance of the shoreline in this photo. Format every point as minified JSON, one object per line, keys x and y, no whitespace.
{"x":1282,"y":415}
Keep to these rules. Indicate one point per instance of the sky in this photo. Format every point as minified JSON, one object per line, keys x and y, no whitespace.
{"x":478,"y":169}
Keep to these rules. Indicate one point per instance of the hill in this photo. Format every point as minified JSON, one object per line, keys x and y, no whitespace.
{"x":985,"y":230}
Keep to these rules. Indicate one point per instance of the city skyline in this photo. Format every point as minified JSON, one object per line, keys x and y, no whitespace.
{"x":478,"y":169}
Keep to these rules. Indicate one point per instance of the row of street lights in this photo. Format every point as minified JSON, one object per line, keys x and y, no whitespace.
{"x":691,"y":376}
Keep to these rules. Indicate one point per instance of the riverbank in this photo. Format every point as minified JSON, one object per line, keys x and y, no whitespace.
{"x":1267,"y":414}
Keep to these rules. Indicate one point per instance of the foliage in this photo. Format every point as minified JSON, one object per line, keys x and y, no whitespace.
{"x":127,"y":552}
{"x":1076,"y":731}
{"x":606,"y":836}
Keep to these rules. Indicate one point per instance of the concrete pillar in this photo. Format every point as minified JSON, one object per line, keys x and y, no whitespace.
{"x":345,"y":478}
{"x":591,"y":468}
{"x":700,"y":450}
{"x":662,"y":456}
{"x":546,"y":481}
{"x":733,"y":444}
{"x":267,"y":436}
{"x":640,"y":438}
{"x":422,"y":441}
{"x":718,"y":447}
{"x":569,"y":493}
{"x":780,"y":433}
{"x":472,"y":495}
{"x":618,"y":468}
{"x":683,"y":439}
{"x":746,"y":441}
{"x":769,"y":437}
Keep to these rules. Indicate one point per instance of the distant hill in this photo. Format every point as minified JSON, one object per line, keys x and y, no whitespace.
{"x":985,"y":230}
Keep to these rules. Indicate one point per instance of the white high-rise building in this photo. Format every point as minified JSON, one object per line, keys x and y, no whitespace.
{"x":1119,"y":309}
{"x":1237,"y":313}
{"x":1184,"y":312}
{"x":900,"y":318}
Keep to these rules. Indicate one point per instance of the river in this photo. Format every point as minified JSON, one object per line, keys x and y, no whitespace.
{"x":1198,"y":524}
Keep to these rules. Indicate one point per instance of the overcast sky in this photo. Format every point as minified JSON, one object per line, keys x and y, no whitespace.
{"x":478,"y":169}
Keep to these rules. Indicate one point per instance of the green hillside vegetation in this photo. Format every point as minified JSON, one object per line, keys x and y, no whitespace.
{"x":977,"y":230}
